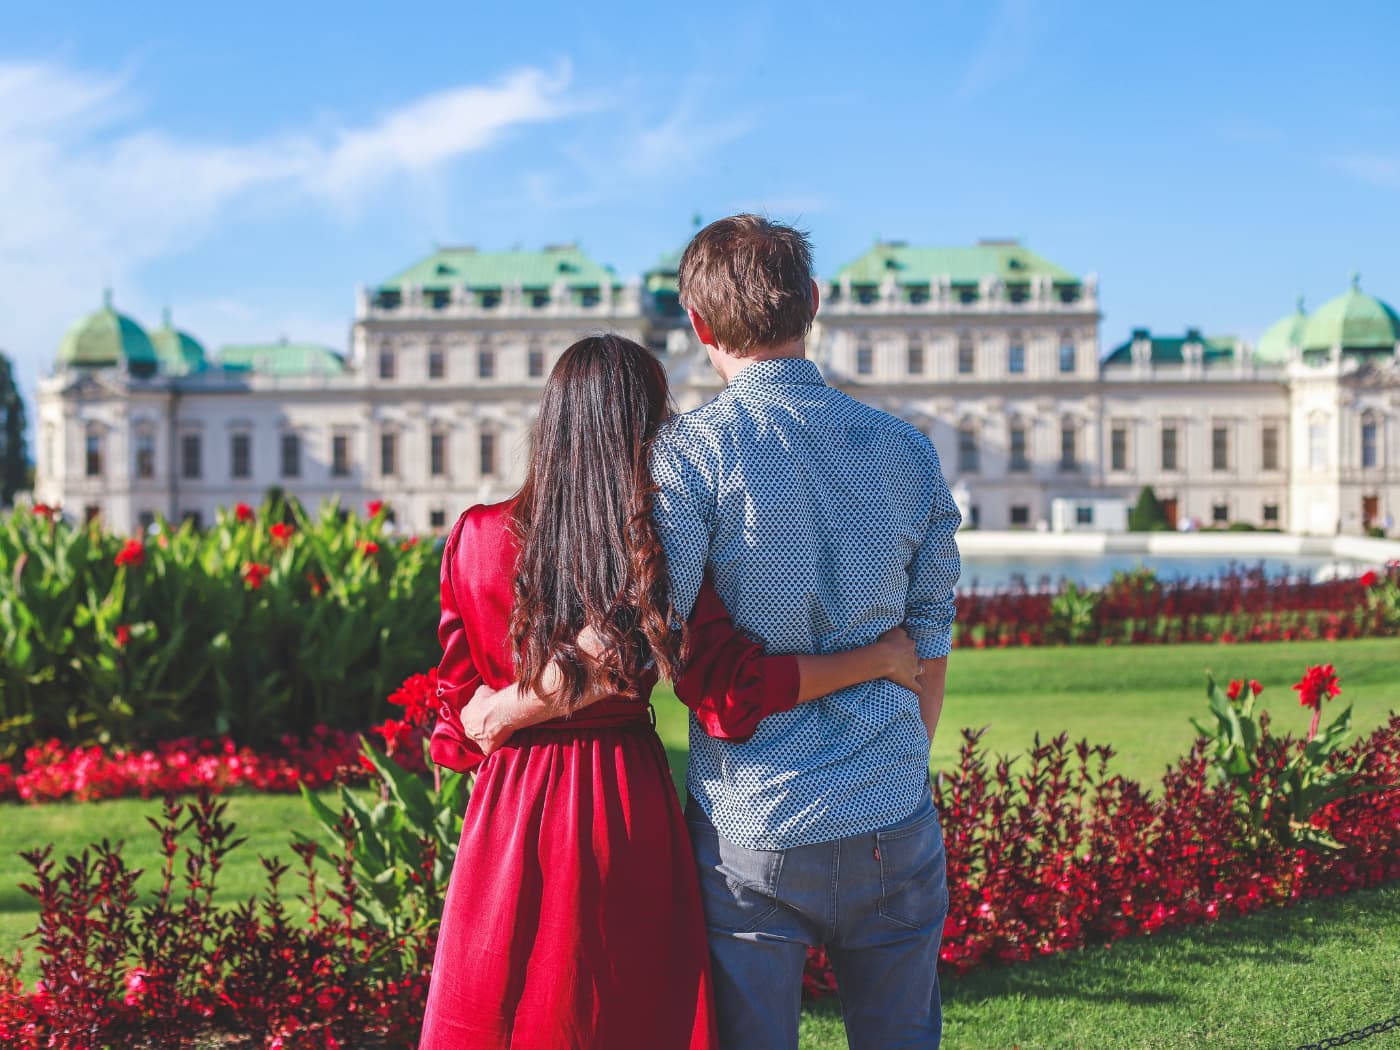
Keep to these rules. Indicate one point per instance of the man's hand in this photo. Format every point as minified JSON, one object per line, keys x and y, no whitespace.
{"x":485,"y":717}
{"x":900,"y":658}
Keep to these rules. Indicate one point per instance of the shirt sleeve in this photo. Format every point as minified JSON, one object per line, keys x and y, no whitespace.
{"x":729,"y":681}
{"x":933,"y":572}
{"x":458,"y":677}
{"x":682,"y":508}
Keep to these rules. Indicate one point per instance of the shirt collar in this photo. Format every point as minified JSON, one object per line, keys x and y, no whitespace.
{"x":779,"y":370}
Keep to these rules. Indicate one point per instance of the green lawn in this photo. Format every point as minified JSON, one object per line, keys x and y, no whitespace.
{"x":1140,"y":699}
{"x":1276,"y":979}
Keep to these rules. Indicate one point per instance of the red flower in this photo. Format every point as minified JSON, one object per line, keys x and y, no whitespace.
{"x":1255,"y":687}
{"x":1319,"y":683}
{"x":131,"y":554}
{"x":122,"y":635}
{"x":1369,"y":578}
{"x":368,"y":547}
{"x":254,"y":574}
{"x":281,"y":532}
{"x":42,"y":510}
{"x":373,"y":507}
{"x":411,"y":542}
{"x":243,"y":512}
{"x":1235,"y":687}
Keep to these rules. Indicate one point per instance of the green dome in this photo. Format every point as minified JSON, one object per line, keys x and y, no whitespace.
{"x":180,"y":353}
{"x":1279,"y":339}
{"x":1353,"y":321}
{"x":107,"y":339}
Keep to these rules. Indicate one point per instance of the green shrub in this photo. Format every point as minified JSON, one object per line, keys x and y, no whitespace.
{"x":266,"y":623}
{"x":1147,"y":514}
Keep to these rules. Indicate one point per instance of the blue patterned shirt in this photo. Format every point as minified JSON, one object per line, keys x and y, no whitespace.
{"x":825,"y":523}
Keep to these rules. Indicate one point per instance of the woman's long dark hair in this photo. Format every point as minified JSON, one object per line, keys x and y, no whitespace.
{"x":589,"y":552}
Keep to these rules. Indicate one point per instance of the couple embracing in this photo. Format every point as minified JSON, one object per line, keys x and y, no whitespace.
{"x":785,"y":555}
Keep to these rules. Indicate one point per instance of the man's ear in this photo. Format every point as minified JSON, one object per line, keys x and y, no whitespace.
{"x":702,"y":330}
{"x":816,"y":298}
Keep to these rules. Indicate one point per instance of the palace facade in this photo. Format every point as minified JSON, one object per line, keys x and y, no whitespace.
{"x":990,"y":349}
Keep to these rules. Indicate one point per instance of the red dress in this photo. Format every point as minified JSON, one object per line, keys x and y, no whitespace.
{"x":572,"y":919}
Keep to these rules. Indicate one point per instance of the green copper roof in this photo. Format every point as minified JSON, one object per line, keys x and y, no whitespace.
{"x":1169,"y":350}
{"x":1353,"y":321}
{"x":1007,"y":260}
{"x":282,"y":359}
{"x":180,"y":353}
{"x":663,"y":278}
{"x":106,"y":339}
{"x":467,"y":267}
{"x":1281,"y":337}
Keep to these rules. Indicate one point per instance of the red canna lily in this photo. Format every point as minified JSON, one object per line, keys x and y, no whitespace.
{"x":134,"y":553}
{"x":374,"y":507}
{"x":254,"y":574}
{"x":243,"y":512}
{"x":281,"y":532}
{"x":121,"y":635}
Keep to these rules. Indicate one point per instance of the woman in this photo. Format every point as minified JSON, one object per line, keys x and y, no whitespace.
{"x":572,"y":917}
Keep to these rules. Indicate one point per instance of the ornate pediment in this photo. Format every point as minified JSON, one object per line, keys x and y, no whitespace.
{"x":1376,"y":375}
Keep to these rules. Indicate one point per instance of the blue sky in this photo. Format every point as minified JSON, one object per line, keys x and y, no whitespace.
{"x":250,"y":165}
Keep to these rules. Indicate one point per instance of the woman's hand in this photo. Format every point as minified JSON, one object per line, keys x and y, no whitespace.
{"x":900,"y":658}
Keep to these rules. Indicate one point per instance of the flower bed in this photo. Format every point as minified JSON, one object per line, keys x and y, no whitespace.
{"x":1138,"y":608}
{"x":1046,"y":855}
{"x":266,"y":623}
{"x":51,"y":771}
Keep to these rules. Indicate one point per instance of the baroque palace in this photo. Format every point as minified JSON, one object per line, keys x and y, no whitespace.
{"x":990,"y":349}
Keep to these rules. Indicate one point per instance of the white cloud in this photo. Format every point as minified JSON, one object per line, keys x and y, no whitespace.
{"x":1375,"y":169}
{"x":1003,"y":50}
{"x":88,"y":195}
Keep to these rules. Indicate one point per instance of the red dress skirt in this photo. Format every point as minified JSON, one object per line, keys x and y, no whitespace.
{"x":573,"y":915}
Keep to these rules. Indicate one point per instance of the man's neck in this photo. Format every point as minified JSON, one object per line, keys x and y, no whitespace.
{"x":729,"y":366}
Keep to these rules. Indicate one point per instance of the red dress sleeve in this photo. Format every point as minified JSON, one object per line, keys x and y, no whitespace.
{"x":458,"y":676}
{"x":728,"y":680}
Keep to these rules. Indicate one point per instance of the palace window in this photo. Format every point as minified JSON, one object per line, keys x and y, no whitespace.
{"x":1016,"y":356}
{"x":1369,"y":456}
{"x":1019,"y":460}
{"x":146,"y":520}
{"x":1268,"y":451}
{"x":191,"y":456}
{"x":387,"y":364}
{"x":437,"y":361}
{"x":1067,"y":356}
{"x":1169,"y":447}
{"x":145,"y":454}
{"x":967,"y":356}
{"x":388,"y":453}
{"x":437,"y":454}
{"x":488,"y":454}
{"x":1317,"y":445}
{"x":914,"y":357}
{"x":240,"y":455}
{"x":534,"y":360}
{"x":92,"y":458}
{"x":1219,"y":447}
{"x":291,"y":455}
{"x":1084,"y":514}
{"x":437,"y":519}
{"x":1271,"y":514}
{"x":91,"y":512}
{"x":340,"y":455}
{"x":969,"y":460}
{"x":486,"y":363}
{"x":194,"y":517}
{"x":1020,"y":515}
{"x":865,"y":357}
{"x":1118,"y":447}
{"x":1069,"y":445}
{"x":1220,"y":513}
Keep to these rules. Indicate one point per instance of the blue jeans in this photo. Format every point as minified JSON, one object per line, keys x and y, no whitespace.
{"x":877,"y":901}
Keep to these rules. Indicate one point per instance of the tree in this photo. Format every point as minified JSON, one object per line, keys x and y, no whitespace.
{"x":14,"y":451}
{"x":1147,"y":515}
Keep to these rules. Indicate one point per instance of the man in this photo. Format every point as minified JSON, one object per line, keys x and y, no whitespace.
{"x":821,"y":828}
